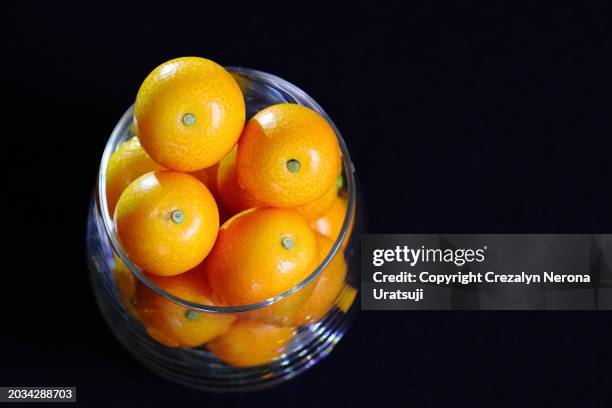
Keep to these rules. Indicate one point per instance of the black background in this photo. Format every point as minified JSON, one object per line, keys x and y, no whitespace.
{"x":459,"y":118}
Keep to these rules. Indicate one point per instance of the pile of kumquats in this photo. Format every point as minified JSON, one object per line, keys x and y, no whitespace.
{"x":221,"y":211}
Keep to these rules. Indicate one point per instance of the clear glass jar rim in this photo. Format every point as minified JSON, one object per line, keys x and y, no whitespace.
{"x":301,"y":98}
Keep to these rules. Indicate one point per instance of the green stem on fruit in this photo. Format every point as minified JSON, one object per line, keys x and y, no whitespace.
{"x":293,"y":165}
{"x":191,"y":315}
{"x":287,"y":242}
{"x":189,"y":119}
{"x":177,"y":216}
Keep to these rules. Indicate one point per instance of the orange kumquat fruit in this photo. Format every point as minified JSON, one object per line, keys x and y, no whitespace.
{"x":250,"y":343}
{"x":233,"y":197}
{"x":330,"y":224}
{"x":125,"y":165}
{"x":167,"y":222}
{"x":288,"y":155}
{"x":189,"y":112}
{"x":328,"y":286}
{"x":260,"y":253}
{"x":174,"y":325}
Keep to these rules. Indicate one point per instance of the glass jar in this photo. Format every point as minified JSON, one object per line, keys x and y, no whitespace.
{"x":115,"y":279}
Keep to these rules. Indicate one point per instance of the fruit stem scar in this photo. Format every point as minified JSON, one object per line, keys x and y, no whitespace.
{"x":287,"y":242}
{"x":293,"y":165}
{"x":191,"y":315}
{"x":189,"y":119}
{"x":177,"y":216}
